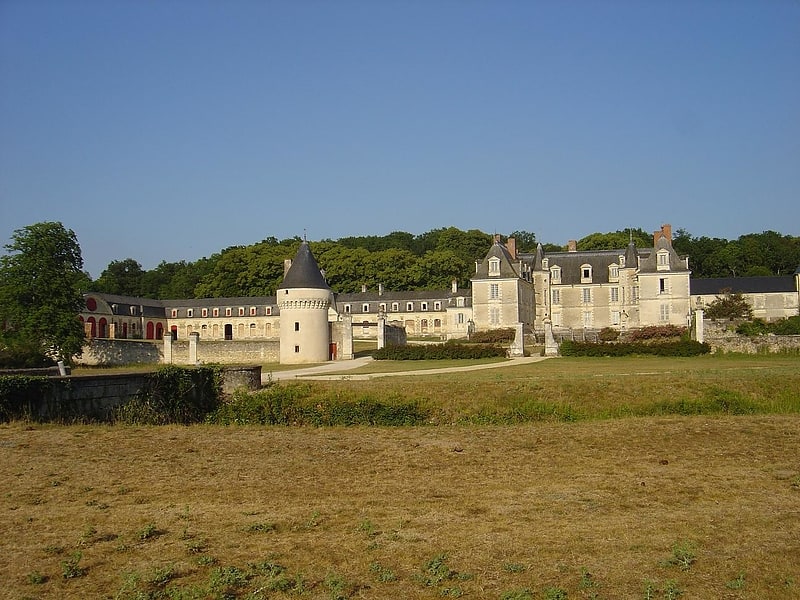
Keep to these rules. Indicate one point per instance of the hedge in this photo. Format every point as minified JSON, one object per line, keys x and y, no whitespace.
{"x":680,"y":348}
{"x":448,"y":350}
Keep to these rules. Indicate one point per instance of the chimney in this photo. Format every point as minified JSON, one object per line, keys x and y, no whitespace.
{"x":363,"y":288}
{"x":511,"y":246}
{"x":286,"y":265}
{"x":454,"y":286}
{"x":572,"y":246}
{"x":380,"y":289}
{"x":665,"y":231}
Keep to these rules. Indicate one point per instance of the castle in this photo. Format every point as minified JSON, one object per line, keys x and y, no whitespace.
{"x":572,"y":291}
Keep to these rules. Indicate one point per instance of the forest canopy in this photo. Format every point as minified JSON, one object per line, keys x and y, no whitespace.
{"x":404,"y":261}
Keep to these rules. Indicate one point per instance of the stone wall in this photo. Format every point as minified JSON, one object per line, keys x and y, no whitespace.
{"x":94,"y":397}
{"x":722,"y":337}
{"x":116,"y":352}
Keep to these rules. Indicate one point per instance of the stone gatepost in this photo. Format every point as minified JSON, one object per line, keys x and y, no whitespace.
{"x":550,"y":346}
{"x":346,"y":350}
{"x":194,"y":337}
{"x":381,"y":333}
{"x":112,"y":331}
{"x":518,"y":345}
{"x":168,"y":348}
{"x":699,"y":333}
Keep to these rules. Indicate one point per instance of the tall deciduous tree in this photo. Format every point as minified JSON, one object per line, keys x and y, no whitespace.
{"x":40,"y":291}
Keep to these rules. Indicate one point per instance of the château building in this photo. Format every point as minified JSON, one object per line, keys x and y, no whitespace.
{"x":575,"y":290}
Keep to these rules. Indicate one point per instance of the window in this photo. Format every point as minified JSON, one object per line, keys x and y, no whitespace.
{"x":635,"y":294}
{"x":613,"y":294}
{"x":253,"y":311}
{"x":664,"y":316}
{"x":586,"y":273}
{"x":424,"y":306}
{"x":395,"y":306}
{"x":494,"y":266}
{"x":133,"y":311}
{"x":662,"y":285}
{"x":189,"y":312}
{"x":460,"y":301}
{"x":297,"y":348}
{"x":494,"y":291}
{"x":615,"y":314}
{"x":410,"y":306}
{"x":555,"y":296}
{"x":555,"y":273}
{"x":424,"y":324}
{"x":663,"y":260}
{"x":347,"y":309}
{"x":557,"y":319}
{"x":437,"y":324}
{"x":296,"y":326}
{"x":174,"y":313}
{"x":204,"y":312}
{"x":613,"y":272}
{"x":494,"y":315}
{"x":382,"y":307}
{"x":587,"y":318}
{"x":460,"y":318}
{"x":216,"y":312}
{"x":437,"y":306}
{"x":586,"y":295}
{"x":252,"y":329}
{"x":365,"y":308}
{"x":269,"y":310}
{"x":241,"y":311}
{"x":227,"y":312}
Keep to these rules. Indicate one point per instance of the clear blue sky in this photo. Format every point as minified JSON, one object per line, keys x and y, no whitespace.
{"x":169,"y":130}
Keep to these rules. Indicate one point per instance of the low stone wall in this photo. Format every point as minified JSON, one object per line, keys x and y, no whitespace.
{"x":95,"y":397}
{"x":115,"y":352}
{"x":762,"y":344}
{"x":108,"y":352}
{"x":230,"y":352}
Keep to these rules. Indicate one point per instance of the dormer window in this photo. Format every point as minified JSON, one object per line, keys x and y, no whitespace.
{"x":613,"y":272}
{"x":555,"y":274}
{"x":545,"y":263}
{"x":663,"y":260}
{"x":586,"y":273}
{"x":189,"y":312}
{"x":494,"y":266}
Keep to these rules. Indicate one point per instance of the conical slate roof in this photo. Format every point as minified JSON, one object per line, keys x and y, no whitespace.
{"x":304,"y":272}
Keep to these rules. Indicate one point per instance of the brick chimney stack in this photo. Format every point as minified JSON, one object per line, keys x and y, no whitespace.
{"x":666,"y":231}
{"x":511,"y":246}
{"x":572,"y":246}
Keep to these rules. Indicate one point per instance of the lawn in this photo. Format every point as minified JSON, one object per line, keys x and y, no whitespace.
{"x":610,"y":504}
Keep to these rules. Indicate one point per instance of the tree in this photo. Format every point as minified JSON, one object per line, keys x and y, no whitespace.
{"x":731,"y":305}
{"x":41,"y":283}
{"x":122,"y":277}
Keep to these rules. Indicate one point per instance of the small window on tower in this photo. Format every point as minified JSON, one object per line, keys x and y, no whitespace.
{"x":296,"y":326}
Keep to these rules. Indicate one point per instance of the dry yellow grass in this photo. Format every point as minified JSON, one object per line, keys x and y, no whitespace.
{"x":513,"y":508}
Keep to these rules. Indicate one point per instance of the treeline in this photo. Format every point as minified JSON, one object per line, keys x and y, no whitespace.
{"x":403,"y":261}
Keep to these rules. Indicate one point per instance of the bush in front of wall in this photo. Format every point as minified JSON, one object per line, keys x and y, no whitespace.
{"x":679,"y":348}
{"x":18,"y":393}
{"x":446,"y":351}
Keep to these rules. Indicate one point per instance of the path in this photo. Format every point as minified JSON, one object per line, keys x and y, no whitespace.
{"x":333,"y":371}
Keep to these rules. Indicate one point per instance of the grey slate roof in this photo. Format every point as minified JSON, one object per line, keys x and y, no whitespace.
{"x":742,"y":285}
{"x":507,"y":267}
{"x":571,"y":262}
{"x":304,"y":272}
{"x":649,"y":264}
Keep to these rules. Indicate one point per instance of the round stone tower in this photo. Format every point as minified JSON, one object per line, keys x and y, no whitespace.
{"x":304,"y":298}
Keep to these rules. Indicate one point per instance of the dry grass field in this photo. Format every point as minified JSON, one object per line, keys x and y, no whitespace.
{"x":610,"y":506}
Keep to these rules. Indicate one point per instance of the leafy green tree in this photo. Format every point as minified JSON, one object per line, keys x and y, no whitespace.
{"x":121,"y":277}
{"x":41,"y":283}
{"x":730,"y":305}
{"x":526,"y":241}
{"x":616,"y":240}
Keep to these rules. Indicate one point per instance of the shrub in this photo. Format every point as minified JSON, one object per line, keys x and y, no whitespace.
{"x":175,"y":395}
{"x":790,"y":326}
{"x":679,"y":348}
{"x":655,"y":332}
{"x":449,"y":350}
{"x":493,"y":336}
{"x":608,"y":334}
{"x":18,"y":393}
{"x":731,"y":305}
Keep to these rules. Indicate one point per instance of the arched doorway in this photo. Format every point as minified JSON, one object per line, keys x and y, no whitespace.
{"x":228,"y":331}
{"x":174,"y":330}
{"x":159,"y":331}
{"x":150,"y":330}
{"x":102,"y":328}
{"x":93,"y":330}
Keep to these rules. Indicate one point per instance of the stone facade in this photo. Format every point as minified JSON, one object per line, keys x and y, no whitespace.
{"x":576,"y":292}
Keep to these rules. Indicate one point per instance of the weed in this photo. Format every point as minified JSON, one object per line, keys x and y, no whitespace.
{"x":161,"y":576}
{"x":684,"y":554}
{"x":224,"y":581}
{"x":436,"y":571}
{"x":650,"y":590}
{"x":70,"y":568}
{"x":314,"y":520}
{"x":206,"y":561}
{"x":796,"y":483}
{"x":53,"y":549}
{"x":148,"y":532}
{"x":36,"y":578}
{"x":368,"y":527}
{"x":555,"y":593}
{"x":337,"y":586}
{"x":383,"y":574}
{"x":262,"y":528}
{"x":736,"y":584}
{"x":671,"y":590}
{"x":514,"y":568}
{"x":196,"y":546}
{"x":517,"y":594}
{"x":587,"y":580}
